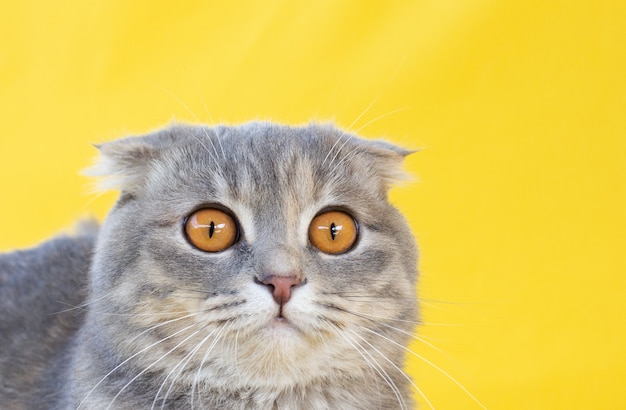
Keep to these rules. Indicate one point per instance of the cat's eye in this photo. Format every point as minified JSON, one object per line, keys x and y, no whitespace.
{"x":333,"y":232}
{"x":211,"y":230}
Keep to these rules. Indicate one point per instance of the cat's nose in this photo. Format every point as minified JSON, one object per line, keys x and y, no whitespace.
{"x":281,"y":286}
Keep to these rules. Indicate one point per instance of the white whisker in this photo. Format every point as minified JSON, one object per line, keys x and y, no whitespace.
{"x":145,"y":369}
{"x":384,"y":89}
{"x":332,"y":149}
{"x":82,"y":305}
{"x":130,"y":358}
{"x":186,"y":360}
{"x":365,"y":111}
{"x":179,"y":101}
{"x":414,"y":322}
{"x":410,"y":334}
{"x":448,"y":375}
{"x":195,"y":89}
{"x":373,"y":363}
{"x":381,"y":117}
{"x":421,"y":393}
{"x":193,"y":114}
{"x":344,"y":159}
{"x":220,"y":332}
{"x":214,"y":155}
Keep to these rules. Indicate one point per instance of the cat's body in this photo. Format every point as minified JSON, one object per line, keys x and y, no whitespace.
{"x":283,"y":315}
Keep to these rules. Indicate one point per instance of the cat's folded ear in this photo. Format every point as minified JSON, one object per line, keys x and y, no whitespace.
{"x":122,"y":164}
{"x":386,"y":161}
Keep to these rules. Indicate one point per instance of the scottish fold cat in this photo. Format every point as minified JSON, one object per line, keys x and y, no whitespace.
{"x":258,"y":266}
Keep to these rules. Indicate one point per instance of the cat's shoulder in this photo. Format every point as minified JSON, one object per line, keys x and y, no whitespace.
{"x":65,"y":257}
{"x":42,"y":291}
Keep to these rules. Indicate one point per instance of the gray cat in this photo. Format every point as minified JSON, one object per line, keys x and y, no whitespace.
{"x":251,"y":267}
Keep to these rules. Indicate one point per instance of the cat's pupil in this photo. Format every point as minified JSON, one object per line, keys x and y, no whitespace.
{"x":333,"y":230}
{"x":211,"y":229}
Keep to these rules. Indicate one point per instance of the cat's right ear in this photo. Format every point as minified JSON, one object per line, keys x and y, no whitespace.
{"x":122,"y":164}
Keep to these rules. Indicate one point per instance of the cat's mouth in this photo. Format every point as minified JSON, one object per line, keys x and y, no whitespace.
{"x":280,"y":318}
{"x":281,"y":315}
{"x":281,"y":321}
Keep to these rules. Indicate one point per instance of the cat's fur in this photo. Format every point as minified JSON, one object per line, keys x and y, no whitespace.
{"x":135,"y":317}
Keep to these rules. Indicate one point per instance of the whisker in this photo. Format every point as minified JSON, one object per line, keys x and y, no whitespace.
{"x":178,"y":100}
{"x":204,"y":130}
{"x":356,"y":294}
{"x":206,"y":109}
{"x":100,"y":313}
{"x":186,"y":360}
{"x":395,"y":367}
{"x":81,"y":306}
{"x":440,"y":324}
{"x":335,"y":307}
{"x":195,"y":85}
{"x":445,"y":302}
{"x":193,"y":114}
{"x":160,"y":324}
{"x":373,"y":363}
{"x":359,"y":295}
{"x":421,"y":339}
{"x":413,"y":322}
{"x":214,"y":155}
{"x":412,"y":335}
{"x":381,"y":117}
{"x":450,"y":377}
{"x":339,"y":139}
{"x":204,"y":292}
{"x":374,"y":372}
{"x":220,"y":332}
{"x":130,"y":358}
{"x":219,"y":141}
{"x":236,"y":351}
{"x":153,"y":364}
{"x":346,"y":157}
{"x":365,"y":111}
{"x":331,"y":150}
{"x":382,"y":91}
{"x":94,"y":194}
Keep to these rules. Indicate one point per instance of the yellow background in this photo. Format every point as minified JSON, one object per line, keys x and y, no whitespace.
{"x":519,"y":205}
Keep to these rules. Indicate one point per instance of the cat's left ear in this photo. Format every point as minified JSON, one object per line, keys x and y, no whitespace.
{"x":123,"y":164}
{"x":387,"y":161}
{"x":392,"y":148}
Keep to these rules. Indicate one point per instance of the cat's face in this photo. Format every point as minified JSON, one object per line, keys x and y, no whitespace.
{"x":258,"y":255}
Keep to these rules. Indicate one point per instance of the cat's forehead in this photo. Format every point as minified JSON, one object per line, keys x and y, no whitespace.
{"x":263,"y":165}
{"x":258,"y":164}
{"x":265,"y":146}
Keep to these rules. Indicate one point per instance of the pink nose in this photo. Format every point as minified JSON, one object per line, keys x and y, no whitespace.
{"x":280,"y":286}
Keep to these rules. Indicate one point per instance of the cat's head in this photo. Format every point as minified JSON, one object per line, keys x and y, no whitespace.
{"x":256,"y":255}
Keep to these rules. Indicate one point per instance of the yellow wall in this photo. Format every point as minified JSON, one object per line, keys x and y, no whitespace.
{"x":520,"y":106}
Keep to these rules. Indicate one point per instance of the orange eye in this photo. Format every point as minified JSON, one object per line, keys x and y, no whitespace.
{"x":211,"y":230}
{"x":333,"y":232}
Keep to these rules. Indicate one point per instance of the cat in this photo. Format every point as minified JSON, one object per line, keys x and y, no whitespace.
{"x":258,"y":266}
